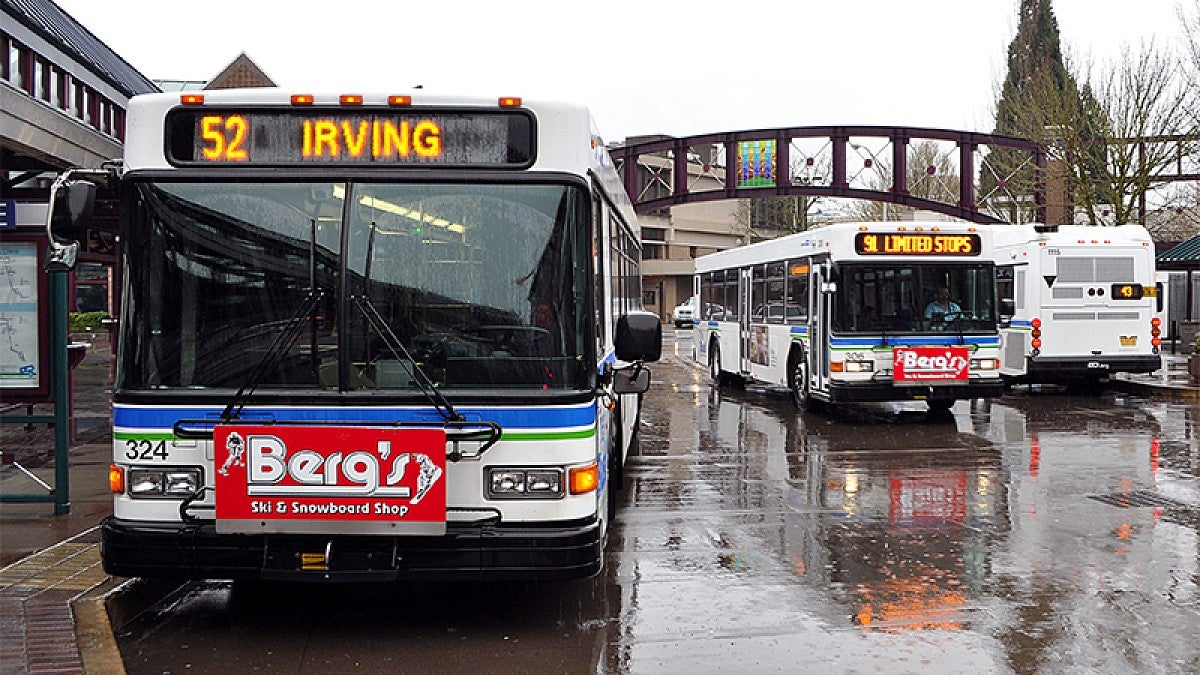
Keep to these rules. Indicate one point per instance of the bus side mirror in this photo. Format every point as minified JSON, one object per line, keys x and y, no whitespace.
{"x":635,"y":380}
{"x":639,"y":337}
{"x":72,"y":210}
{"x":67,"y":220}
{"x":1008,"y":308}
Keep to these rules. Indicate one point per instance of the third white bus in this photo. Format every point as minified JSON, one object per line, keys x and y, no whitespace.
{"x":1086,"y":302}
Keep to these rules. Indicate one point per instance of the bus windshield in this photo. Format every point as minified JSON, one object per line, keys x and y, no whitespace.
{"x":482,"y":284}
{"x":910,"y":299}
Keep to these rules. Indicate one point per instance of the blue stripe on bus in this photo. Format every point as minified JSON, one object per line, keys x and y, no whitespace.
{"x":532,"y":417}
{"x":1023,"y":324}
{"x":914,"y":340}
{"x":798,"y":330}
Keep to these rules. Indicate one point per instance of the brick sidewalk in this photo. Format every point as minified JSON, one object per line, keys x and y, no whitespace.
{"x":37,"y":624}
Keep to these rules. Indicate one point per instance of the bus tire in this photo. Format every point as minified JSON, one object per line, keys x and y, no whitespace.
{"x":799,"y":381}
{"x":714,"y":364}
{"x":616,"y":467}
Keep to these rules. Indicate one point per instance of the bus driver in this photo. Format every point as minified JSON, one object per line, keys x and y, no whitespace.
{"x":942,"y":306}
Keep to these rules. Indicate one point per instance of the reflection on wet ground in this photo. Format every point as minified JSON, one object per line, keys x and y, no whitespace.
{"x":755,"y":539}
{"x":880,"y":536}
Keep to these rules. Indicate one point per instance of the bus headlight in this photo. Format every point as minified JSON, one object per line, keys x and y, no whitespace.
{"x":522,"y":483}
{"x":173,"y":483}
{"x":985,"y":364}
{"x":859,"y":366}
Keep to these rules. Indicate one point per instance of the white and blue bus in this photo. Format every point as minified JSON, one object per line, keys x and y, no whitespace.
{"x":872,"y":311}
{"x":1088,"y":302}
{"x":367,"y":337}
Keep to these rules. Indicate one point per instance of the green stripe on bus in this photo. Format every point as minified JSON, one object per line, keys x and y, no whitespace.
{"x":514,"y":436}
{"x":143,"y":436}
{"x":548,"y":436}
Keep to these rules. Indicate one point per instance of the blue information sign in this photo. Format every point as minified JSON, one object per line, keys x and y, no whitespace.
{"x":8,"y":214}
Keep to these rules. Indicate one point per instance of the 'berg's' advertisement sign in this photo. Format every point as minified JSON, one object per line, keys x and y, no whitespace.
{"x":930,"y":365}
{"x":325,"y":479}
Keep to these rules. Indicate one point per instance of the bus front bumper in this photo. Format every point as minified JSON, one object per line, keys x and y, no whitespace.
{"x":878,"y":391}
{"x":467,"y":552}
{"x":1042,"y":368}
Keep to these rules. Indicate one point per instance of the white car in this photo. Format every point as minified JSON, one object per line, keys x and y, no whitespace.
{"x":684,"y":314}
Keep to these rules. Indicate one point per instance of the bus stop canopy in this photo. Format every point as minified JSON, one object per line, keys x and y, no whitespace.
{"x":1184,"y":256}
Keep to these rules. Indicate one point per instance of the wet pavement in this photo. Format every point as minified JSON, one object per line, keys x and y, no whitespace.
{"x":1037,"y":532}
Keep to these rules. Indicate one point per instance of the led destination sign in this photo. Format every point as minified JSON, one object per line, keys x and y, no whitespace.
{"x":368,"y":137}
{"x":917,"y":243}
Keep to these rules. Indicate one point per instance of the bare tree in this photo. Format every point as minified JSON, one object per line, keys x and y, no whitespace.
{"x":1106,"y":144}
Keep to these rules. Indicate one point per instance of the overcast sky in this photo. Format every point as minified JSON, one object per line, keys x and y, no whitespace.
{"x":642,"y":66}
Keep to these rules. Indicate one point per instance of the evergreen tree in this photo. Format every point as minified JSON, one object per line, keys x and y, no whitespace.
{"x":1040,"y":101}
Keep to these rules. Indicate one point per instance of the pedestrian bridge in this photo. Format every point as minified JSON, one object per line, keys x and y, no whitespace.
{"x":982,"y":178}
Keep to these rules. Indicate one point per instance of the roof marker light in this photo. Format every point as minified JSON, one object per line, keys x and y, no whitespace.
{"x":350,"y":99}
{"x":399,"y":100}
{"x":191,"y":99}
{"x":510,"y":101}
{"x":302,"y":99}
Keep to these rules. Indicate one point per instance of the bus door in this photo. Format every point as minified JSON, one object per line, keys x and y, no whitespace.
{"x":744,"y":310}
{"x":823,"y":290}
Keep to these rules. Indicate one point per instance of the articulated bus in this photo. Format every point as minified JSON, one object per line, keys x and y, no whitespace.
{"x":878,"y":311}
{"x":1087,"y":302}
{"x":367,"y":337}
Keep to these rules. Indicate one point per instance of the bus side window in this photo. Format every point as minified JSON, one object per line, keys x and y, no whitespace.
{"x":796,"y":292}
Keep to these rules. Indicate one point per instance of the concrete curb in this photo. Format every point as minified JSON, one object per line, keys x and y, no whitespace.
{"x":103,"y":610}
{"x":1169,"y":392}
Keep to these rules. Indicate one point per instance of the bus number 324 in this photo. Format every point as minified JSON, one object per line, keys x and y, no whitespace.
{"x":145,"y":450}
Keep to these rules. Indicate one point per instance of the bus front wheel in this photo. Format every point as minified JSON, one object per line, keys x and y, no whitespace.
{"x":799,"y":383}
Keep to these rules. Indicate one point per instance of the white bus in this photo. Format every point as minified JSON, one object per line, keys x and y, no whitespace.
{"x":368,"y":337}
{"x":1087,"y":302}
{"x":851,"y":312}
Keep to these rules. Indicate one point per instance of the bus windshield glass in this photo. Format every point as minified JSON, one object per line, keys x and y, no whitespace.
{"x":482,"y":285}
{"x":911,"y":299}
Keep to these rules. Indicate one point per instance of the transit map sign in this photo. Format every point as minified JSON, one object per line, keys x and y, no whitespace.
{"x":20,"y":334}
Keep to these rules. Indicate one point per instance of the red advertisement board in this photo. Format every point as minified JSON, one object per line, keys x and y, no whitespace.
{"x":928,"y":365}
{"x":282,"y":478}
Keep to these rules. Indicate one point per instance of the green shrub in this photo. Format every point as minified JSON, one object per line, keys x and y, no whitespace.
{"x":85,"y":320}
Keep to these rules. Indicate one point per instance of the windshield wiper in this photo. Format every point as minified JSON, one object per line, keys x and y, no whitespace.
{"x":282,"y":343}
{"x":401,"y":354}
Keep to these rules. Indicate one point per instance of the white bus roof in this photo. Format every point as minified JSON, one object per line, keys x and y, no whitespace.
{"x":1007,"y":236}
{"x":836,"y":239}
{"x":567,"y":141}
